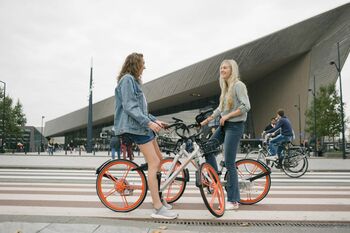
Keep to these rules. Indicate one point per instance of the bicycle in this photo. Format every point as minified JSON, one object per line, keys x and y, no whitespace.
{"x":121,"y":185}
{"x":294,"y":163}
{"x":254,"y":176}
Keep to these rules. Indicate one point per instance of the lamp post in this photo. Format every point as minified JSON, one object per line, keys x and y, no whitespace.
{"x":41,"y":134}
{"x":3,"y":116}
{"x":89,"y":124}
{"x":299,"y":116}
{"x":337,"y":66}
{"x":315,"y":134}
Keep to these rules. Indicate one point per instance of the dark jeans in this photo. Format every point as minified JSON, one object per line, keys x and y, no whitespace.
{"x":229,"y":134}
{"x":275,"y":145}
{"x":113,"y":149}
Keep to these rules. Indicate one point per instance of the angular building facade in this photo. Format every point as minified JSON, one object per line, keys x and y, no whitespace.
{"x":278,"y":69}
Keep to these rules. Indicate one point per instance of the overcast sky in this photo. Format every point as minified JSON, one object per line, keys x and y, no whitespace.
{"x":46,"y":45}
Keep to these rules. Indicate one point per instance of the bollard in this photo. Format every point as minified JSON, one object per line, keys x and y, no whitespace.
{"x":79,"y":150}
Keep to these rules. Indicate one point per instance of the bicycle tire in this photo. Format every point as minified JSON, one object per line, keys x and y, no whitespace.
{"x":174,"y":190}
{"x":120,"y":187}
{"x":209,"y":180}
{"x":295,"y":165}
{"x":257,"y":155}
{"x":254,"y":180}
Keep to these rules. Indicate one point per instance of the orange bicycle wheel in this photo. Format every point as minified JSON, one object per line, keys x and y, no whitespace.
{"x":253,"y":179}
{"x":175,"y":189}
{"x":214,"y":199}
{"x":120,"y":186}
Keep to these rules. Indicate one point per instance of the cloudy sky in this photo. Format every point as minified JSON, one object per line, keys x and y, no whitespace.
{"x":46,"y":45}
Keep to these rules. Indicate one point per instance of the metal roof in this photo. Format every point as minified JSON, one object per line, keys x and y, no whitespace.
{"x":256,"y":60}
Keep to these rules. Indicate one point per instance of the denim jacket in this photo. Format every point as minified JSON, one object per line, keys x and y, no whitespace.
{"x":131,"y":113}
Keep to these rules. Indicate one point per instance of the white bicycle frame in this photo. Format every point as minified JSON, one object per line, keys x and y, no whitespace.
{"x":182,"y":153}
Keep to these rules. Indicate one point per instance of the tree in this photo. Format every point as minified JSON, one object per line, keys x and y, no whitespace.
{"x":15,"y":119}
{"x":328,"y":112}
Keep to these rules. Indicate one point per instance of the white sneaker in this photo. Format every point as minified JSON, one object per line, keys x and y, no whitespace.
{"x":272,"y":158}
{"x":231,"y":205}
{"x":166,"y":204}
{"x":164,"y":213}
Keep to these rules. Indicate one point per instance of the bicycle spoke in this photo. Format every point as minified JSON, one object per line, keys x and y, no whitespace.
{"x":120,"y":186}
{"x":211,"y":190}
{"x":177,"y":187}
{"x":254,"y":180}
{"x":112,"y":191}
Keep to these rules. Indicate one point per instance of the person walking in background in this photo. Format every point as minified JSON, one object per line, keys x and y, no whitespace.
{"x":50,"y":146}
{"x":115,"y":145}
{"x":133,"y":121}
{"x":233,"y":108}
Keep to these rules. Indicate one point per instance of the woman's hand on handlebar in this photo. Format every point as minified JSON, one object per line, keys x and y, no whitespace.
{"x":162,"y":123}
{"x":206,"y":121}
{"x":155,"y":126}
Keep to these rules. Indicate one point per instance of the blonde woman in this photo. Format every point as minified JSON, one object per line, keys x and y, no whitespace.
{"x":233,"y":108}
{"x":132,"y":120}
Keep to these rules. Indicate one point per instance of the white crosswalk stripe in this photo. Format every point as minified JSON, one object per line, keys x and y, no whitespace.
{"x":317,"y":196}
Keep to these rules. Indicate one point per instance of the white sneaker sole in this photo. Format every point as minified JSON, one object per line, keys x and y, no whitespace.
{"x":162,"y":216}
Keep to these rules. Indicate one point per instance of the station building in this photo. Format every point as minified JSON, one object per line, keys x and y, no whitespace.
{"x":278,"y":69}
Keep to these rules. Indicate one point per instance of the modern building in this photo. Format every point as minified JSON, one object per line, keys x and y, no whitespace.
{"x":278,"y":69}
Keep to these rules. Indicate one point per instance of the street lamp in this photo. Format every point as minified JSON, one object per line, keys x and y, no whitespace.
{"x":298,"y":107}
{"x":41,"y":134}
{"x":337,"y":66}
{"x":315,"y":134}
{"x":3,"y":116}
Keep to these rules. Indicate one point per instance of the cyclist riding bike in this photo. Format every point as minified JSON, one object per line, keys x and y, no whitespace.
{"x":286,"y":135}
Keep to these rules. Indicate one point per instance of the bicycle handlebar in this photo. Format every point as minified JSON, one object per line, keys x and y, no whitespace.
{"x":177,"y":119}
{"x":184,"y":127}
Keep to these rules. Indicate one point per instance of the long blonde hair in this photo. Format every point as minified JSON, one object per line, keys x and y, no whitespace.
{"x":227,"y":86}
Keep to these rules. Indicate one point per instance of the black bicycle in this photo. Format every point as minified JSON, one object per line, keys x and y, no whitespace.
{"x":294,"y":163}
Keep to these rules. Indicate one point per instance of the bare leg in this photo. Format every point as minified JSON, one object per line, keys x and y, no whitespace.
{"x":153,"y":161}
{"x":158,"y":152}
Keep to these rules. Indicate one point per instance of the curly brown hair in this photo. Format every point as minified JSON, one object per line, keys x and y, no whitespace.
{"x":133,"y":65}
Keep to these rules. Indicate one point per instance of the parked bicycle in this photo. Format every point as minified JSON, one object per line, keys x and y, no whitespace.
{"x":294,"y":163}
{"x":122,"y":185}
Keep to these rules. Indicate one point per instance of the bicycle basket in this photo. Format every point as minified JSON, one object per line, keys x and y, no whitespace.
{"x":167,"y":144}
{"x":210,"y":147}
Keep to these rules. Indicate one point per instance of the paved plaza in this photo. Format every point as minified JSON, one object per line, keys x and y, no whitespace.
{"x":42,"y":193}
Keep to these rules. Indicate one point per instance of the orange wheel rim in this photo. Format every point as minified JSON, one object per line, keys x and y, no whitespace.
{"x":115,"y":191}
{"x":256,"y":168}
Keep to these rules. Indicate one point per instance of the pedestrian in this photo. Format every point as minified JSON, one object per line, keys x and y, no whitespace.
{"x":271,"y":125}
{"x":50,"y":146}
{"x":115,"y":145}
{"x":284,"y":126}
{"x":71,"y":146}
{"x":233,"y":108}
{"x":133,"y":121}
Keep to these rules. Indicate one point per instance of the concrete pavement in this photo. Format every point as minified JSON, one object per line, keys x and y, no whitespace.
{"x":88,"y":161}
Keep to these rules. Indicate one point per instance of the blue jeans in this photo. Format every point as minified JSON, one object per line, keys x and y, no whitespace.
{"x":275,"y":145}
{"x":113,"y":152}
{"x":229,"y":134}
